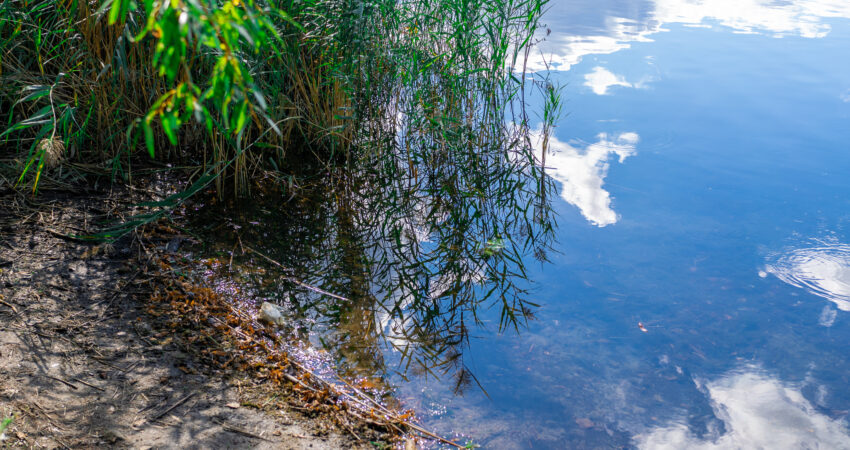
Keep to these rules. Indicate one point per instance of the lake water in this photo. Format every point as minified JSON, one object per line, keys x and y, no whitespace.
{"x":700,"y":296}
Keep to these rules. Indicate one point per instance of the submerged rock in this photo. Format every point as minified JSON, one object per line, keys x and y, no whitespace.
{"x":271,"y":314}
{"x":173,"y":245}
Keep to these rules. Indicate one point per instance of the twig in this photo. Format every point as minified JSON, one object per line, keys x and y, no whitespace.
{"x":368,"y":397}
{"x":234,"y":429}
{"x":230,"y":264}
{"x":66,"y":236}
{"x":72,"y":386}
{"x":298,"y":282}
{"x":297,"y":381}
{"x":48,"y":416}
{"x":14,"y":310}
{"x":392,"y":417}
{"x":111,"y":299}
{"x":285,"y":375}
{"x":430,"y":434}
{"x":382,"y":408}
{"x":115,"y":295}
{"x":100,"y":360}
{"x":179,"y":402}
{"x":144,"y":339}
{"x":89,"y":385}
{"x":350,"y":430}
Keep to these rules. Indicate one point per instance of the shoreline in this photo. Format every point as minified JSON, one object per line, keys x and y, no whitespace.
{"x":84,"y":363}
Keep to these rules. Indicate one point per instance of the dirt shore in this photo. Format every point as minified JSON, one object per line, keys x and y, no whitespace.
{"x":82,"y":366}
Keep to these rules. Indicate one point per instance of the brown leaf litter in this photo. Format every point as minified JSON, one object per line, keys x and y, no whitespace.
{"x":99,"y":348}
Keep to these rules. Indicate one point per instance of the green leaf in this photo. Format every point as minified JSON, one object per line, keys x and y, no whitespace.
{"x":241,"y":117}
{"x":149,"y":137}
{"x":115,"y":11}
{"x":170,"y":126}
{"x":37,"y":92}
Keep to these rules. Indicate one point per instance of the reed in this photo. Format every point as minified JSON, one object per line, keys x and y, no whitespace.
{"x":196,"y":81}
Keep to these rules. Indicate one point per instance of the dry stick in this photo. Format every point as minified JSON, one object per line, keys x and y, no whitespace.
{"x":48,"y":416}
{"x":298,"y":282}
{"x":430,"y":434}
{"x":285,"y":375}
{"x":65,"y":236}
{"x":400,"y":420}
{"x":72,"y":386}
{"x":230,"y":264}
{"x":350,"y":430}
{"x":179,"y":402}
{"x":115,"y":295}
{"x":52,"y":422}
{"x":299,"y":366}
{"x":111,"y":299}
{"x":242,"y":431}
{"x":381,"y":408}
{"x":100,"y":360}
{"x":368,"y":397}
{"x":297,"y":381}
{"x":14,"y":310}
{"x":144,"y":339}
{"x":89,"y":385}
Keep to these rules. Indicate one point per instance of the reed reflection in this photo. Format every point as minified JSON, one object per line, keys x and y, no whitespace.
{"x":410,"y":276}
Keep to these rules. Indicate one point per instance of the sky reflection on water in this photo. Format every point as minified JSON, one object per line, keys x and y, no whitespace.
{"x":722,"y":230}
{"x":754,"y":411}
{"x":581,"y":173}
{"x":605,"y":27}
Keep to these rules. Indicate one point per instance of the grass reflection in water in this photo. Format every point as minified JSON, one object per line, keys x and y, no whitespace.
{"x":411,"y":275}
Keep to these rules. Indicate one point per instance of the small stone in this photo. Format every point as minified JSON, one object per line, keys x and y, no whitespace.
{"x":233,"y":405}
{"x":271,"y":314}
{"x":173,"y":245}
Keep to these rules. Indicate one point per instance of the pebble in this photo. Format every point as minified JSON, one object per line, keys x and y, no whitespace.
{"x":271,"y":314}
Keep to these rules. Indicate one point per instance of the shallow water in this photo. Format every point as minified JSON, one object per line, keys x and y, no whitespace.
{"x":699,"y":293}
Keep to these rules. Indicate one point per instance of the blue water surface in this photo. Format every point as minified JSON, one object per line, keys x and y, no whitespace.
{"x":700,"y":293}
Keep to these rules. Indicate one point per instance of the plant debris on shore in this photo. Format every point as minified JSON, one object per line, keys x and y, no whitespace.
{"x":102,"y":344}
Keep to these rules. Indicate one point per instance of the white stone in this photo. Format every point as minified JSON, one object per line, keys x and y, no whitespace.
{"x":271,"y":314}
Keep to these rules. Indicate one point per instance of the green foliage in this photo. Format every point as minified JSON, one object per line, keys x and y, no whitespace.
{"x":221,"y":31}
{"x":4,"y":424}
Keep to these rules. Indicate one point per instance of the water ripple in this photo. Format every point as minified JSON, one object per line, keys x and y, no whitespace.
{"x":822,"y":269}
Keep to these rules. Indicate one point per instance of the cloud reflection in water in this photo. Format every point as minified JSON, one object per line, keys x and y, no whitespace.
{"x":757,"y":411}
{"x":582,"y":172}
{"x":601,"y":79}
{"x":638,"y":21}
